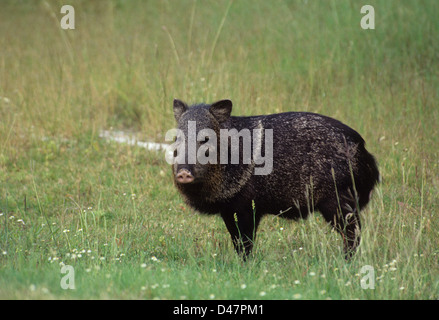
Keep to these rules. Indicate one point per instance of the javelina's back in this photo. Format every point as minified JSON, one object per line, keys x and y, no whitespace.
{"x":312,"y":154}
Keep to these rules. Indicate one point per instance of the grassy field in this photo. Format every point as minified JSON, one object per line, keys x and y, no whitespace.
{"x":111,"y":211}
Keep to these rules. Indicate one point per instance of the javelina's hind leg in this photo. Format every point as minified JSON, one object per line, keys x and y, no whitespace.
{"x":242,"y":228}
{"x":347,"y":223}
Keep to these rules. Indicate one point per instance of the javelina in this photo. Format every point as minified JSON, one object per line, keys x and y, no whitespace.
{"x":311,"y":162}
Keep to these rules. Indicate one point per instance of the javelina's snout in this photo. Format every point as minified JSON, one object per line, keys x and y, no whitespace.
{"x":184,"y":176}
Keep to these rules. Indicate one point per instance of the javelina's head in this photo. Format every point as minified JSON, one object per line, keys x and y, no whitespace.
{"x":197,"y":144}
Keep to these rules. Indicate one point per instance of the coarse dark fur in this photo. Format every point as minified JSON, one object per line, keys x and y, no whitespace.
{"x":319,"y":164}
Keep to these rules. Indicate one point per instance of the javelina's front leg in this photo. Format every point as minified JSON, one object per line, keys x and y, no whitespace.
{"x":242,"y":227}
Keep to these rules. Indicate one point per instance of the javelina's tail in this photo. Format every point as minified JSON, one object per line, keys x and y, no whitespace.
{"x":370,"y":176}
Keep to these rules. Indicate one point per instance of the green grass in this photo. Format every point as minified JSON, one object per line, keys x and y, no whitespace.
{"x":111,"y":211}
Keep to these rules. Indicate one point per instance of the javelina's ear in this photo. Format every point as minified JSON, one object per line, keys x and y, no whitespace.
{"x":221,"y":110}
{"x":179,"y":108}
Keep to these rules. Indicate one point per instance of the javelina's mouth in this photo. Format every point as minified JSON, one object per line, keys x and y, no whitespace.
{"x":184,"y":176}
